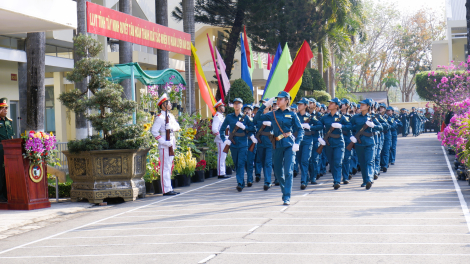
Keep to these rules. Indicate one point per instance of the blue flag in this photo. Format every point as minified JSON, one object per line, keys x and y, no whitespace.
{"x":273,"y":67}
{"x":245,"y":69}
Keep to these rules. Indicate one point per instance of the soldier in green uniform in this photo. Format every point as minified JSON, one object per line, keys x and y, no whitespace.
{"x":6,"y":132}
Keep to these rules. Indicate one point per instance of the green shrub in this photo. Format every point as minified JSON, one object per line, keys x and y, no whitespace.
{"x":426,"y":87}
{"x":64,"y":190}
{"x":317,"y":80}
{"x":320,"y":96}
{"x":239,"y":89}
{"x":307,"y":82}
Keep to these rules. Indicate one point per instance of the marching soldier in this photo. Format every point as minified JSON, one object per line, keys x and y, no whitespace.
{"x":365,"y":149}
{"x":334,"y":123}
{"x":250,"y":159}
{"x":265,"y":146}
{"x":284,"y":123}
{"x":314,"y":166}
{"x":6,"y":132}
{"x":310,"y":125}
{"x":216,"y":124}
{"x":258,"y":164}
{"x":414,"y":121}
{"x":159,"y":128}
{"x":405,"y":121}
{"x":394,"y":131}
{"x":345,"y":107}
{"x":242,"y":129}
{"x":385,"y":154}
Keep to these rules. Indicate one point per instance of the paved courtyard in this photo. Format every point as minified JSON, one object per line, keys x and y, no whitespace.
{"x":415,"y":213}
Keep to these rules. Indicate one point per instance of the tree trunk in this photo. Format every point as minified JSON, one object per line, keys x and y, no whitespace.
{"x":36,"y":70}
{"x":161,"y":14}
{"x":233,"y":38}
{"x":467,"y":5}
{"x":189,"y":27}
{"x":326,"y":79}
{"x":331,"y":76}
{"x":125,"y":49}
{"x":23,"y":93}
{"x":80,"y":120}
{"x":320,"y":60}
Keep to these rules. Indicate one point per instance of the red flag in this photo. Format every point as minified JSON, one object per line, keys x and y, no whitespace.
{"x":304,"y":55}
{"x":269,"y":62}
{"x":216,"y":70}
{"x":247,"y":48}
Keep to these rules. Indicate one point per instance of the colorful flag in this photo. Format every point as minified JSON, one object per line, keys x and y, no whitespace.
{"x":204,"y":87}
{"x":269,"y":62}
{"x":260,"y":61}
{"x":252,"y":67}
{"x":273,"y":67}
{"x":247,"y":49}
{"x":280,"y":76}
{"x":304,"y":55}
{"x":245,"y":69}
{"x":222,"y":68}
{"x":215,"y":68}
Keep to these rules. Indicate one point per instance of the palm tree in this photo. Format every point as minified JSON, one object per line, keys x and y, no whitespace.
{"x":161,"y":18}
{"x":189,"y":27}
{"x":125,"y":49}
{"x":36,"y":71}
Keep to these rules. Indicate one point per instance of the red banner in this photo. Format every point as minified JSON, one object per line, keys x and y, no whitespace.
{"x":110,"y":23}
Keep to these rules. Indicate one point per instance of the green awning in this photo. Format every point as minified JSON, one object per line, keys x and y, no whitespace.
{"x":121,"y":72}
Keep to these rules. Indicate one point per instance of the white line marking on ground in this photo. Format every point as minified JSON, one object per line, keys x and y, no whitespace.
{"x":463,"y":204}
{"x":207,"y":259}
{"x":253,"y":229}
{"x":283,"y":209}
{"x":305,"y":194}
{"x":92,"y":223}
{"x":230,"y":253}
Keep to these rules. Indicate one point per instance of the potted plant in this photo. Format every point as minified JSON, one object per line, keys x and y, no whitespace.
{"x":229,"y":164}
{"x":211,"y":164}
{"x":111,"y":163}
{"x":148,"y":183}
{"x":185,"y":165}
{"x":199,"y":173}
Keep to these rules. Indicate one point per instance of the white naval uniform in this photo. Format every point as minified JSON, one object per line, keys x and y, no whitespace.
{"x":159,"y":132}
{"x":221,"y":155}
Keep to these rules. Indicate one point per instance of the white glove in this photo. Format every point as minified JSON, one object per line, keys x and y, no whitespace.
{"x":322,"y":142}
{"x":295,"y":147}
{"x":227,"y":142}
{"x":370,"y":124}
{"x":353,"y":139}
{"x":168,"y":126}
{"x":306,"y":126}
{"x":254,"y":139}
{"x":267,"y":123}
{"x":240,"y":125}
{"x":269,"y":103}
{"x":336,"y":125}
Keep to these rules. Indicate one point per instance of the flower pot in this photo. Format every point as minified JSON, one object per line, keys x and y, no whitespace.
{"x":174,"y":183}
{"x":214,"y":173}
{"x":149,"y":187}
{"x":208,"y":174}
{"x":183,"y":180}
{"x":198,"y":176}
{"x":101,"y":174}
{"x":157,"y":186}
{"x":228,"y":170}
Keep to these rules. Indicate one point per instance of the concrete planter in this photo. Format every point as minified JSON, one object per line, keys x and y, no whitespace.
{"x":104,"y":174}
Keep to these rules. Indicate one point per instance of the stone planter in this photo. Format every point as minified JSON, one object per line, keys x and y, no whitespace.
{"x":102,"y":174}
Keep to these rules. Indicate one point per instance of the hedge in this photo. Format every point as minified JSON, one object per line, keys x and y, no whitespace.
{"x":321,"y":96}
{"x":312,"y":80}
{"x":64,"y":190}
{"x":426,"y":87}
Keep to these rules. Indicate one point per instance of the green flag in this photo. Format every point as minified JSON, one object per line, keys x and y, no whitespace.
{"x":281,"y":75}
{"x":260,"y":61}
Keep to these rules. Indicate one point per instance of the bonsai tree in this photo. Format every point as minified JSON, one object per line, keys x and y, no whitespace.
{"x":239,"y":89}
{"x":108,"y":112}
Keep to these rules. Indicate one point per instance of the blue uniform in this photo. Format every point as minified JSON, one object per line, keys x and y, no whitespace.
{"x":381,"y":141}
{"x":250,"y":159}
{"x":305,"y":149}
{"x":335,"y":151}
{"x":414,"y":123}
{"x":240,"y":148}
{"x":347,"y":153}
{"x":265,"y":148}
{"x":283,"y":154}
{"x":366,"y":150}
{"x":314,"y":164}
{"x":394,"y":130}
{"x":406,"y":124}
{"x":385,"y":155}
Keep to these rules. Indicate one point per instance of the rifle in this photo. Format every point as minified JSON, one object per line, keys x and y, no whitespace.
{"x":359,"y":134}
{"x":320,"y":148}
{"x":170,"y":149}
{"x":258,"y":137}
{"x":227,"y":147}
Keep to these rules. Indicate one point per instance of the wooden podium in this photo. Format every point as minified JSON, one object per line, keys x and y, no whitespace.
{"x":26,"y":185}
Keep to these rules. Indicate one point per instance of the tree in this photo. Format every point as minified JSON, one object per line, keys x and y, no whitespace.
{"x":187,"y":13}
{"x":317,"y":81}
{"x":161,"y":18}
{"x":307,"y":82}
{"x":109,"y":112}
{"x":239,"y":89}
{"x":125,"y":49}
